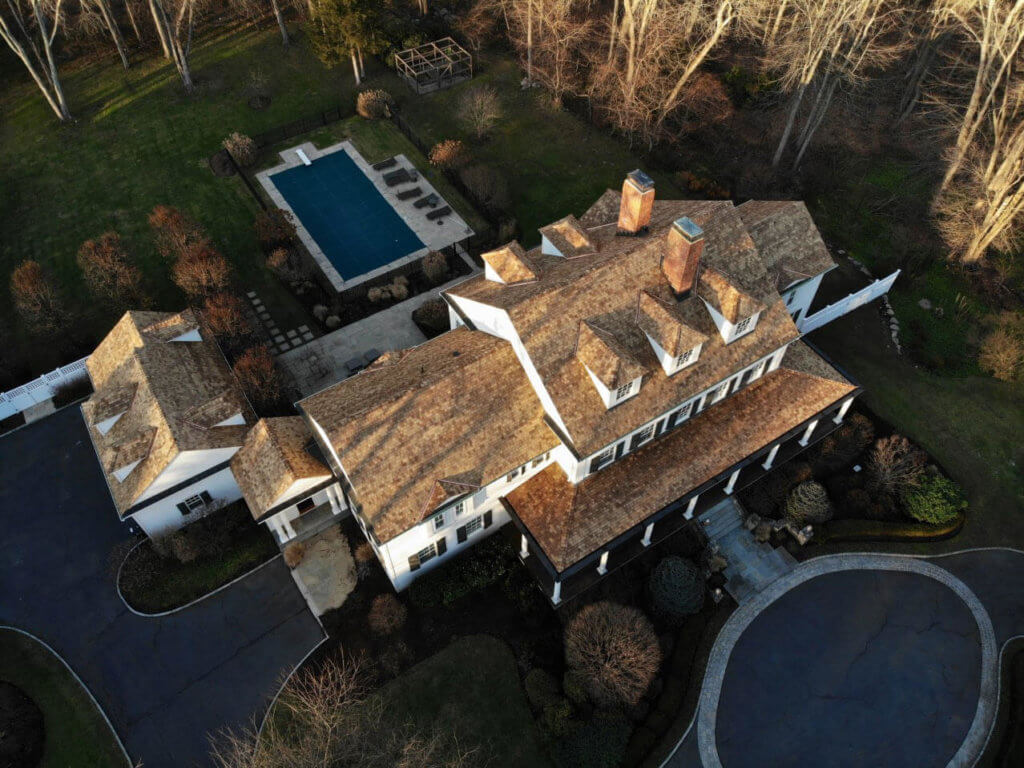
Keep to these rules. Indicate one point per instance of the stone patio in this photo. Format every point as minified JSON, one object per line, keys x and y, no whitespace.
{"x":327,"y":573}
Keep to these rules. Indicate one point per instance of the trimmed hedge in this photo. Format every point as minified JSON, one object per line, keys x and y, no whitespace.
{"x":884,"y":530}
{"x":482,"y":566}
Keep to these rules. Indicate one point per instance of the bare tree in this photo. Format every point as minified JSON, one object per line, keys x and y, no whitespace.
{"x":29,"y":28}
{"x":201,"y":271}
{"x":928,"y":31}
{"x":108,"y":270}
{"x":654,"y":48}
{"x":894,"y":464}
{"x":225,"y":315}
{"x":106,"y":14}
{"x":825,"y":44}
{"x":480,"y":109}
{"x":257,"y":376}
{"x":478,"y":23}
{"x":550,"y":34}
{"x":175,"y":25}
{"x":994,"y":32}
{"x":36,"y":298}
{"x":175,"y":233}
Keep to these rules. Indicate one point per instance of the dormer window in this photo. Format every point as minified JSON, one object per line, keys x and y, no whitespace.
{"x":743,"y":327}
{"x":689,"y":357}
{"x":626,"y":391}
{"x":439,"y":521}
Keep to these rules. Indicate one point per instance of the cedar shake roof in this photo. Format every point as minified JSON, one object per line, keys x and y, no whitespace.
{"x":272,"y":459}
{"x":785,"y":235}
{"x":672,"y":324}
{"x":511,"y":263}
{"x":609,"y":360}
{"x":607,"y":285}
{"x":179,"y":391}
{"x":569,"y":237}
{"x":570,"y":521}
{"x":457,"y":409}
{"x":721,"y":291}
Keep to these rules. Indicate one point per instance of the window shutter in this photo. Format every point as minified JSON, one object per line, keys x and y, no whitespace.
{"x":460,"y":534}
{"x":206,"y":497}
{"x":442,"y":545}
{"x":183,"y":508}
{"x":414,"y":562}
{"x":488,"y":518}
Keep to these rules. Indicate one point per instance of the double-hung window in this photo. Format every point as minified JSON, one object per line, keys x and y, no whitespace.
{"x":603,"y":459}
{"x":439,"y":522}
{"x":194,"y":503}
{"x":429,"y":552}
{"x":460,"y":508}
{"x":684,"y":358}
{"x":721,"y":392}
{"x":742,"y":327}
{"x":641,"y":437}
{"x":681,"y":414}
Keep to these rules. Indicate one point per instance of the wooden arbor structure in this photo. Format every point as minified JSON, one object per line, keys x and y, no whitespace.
{"x":434,"y":66}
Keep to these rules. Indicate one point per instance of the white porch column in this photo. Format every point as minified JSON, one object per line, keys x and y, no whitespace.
{"x":838,"y":418}
{"x":648,"y":532}
{"x":524,"y":549}
{"x":771,"y":456}
{"x":602,"y":567}
{"x":690,"y":507}
{"x":556,"y":595}
{"x":808,"y":432}
{"x":731,"y":485}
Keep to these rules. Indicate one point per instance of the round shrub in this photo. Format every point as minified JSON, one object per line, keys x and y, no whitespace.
{"x":387,"y":614}
{"x":365,"y":558}
{"x":435,"y":267}
{"x":541,"y":688}
{"x":936,"y":500}
{"x":294,"y":553}
{"x":676,"y":589}
{"x":432,"y":316}
{"x":615,"y":651}
{"x":808,"y":503}
{"x":374,"y":104}
{"x":556,"y":718}
{"x":450,"y":154}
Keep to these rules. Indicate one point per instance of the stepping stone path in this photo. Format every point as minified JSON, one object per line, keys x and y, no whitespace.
{"x":280,"y":341}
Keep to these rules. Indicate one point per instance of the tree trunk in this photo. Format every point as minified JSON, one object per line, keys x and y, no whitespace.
{"x":53,"y":76}
{"x":529,"y":42}
{"x":115,"y":31}
{"x":815,"y":119}
{"x":158,"y":22}
{"x":355,"y":67}
{"x":916,"y":76}
{"x":131,"y":20}
{"x":798,"y":97}
{"x":280,"y":21}
{"x":19,"y":50}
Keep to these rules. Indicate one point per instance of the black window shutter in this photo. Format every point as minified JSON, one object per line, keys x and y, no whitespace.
{"x":460,"y":534}
{"x":183,"y":508}
{"x":442,"y":546}
{"x":206,"y":497}
{"x":488,"y":518}
{"x":414,"y":562}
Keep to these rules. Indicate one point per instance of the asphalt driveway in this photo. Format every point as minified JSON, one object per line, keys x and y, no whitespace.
{"x":165,"y":683}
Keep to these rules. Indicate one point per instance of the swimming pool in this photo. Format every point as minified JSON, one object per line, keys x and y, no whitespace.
{"x":351,"y":222}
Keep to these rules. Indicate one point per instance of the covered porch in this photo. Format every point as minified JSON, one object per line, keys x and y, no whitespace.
{"x":306,"y":518}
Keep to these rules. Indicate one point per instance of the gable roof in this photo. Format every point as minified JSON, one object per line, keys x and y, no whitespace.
{"x":174,"y":393}
{"x":570,"y":521}
{"x":274,"y":456}
{"x":607,"y":284}
{"x":450,"y":415}
{"x":611,"y":361}
{"x":674,"y":325}
{"x":787,"y":239}
{"x":510,"y":263}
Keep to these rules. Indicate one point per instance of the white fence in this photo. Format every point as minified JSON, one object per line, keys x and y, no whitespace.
{"x":850,"y":303}
{"x":41,"y":389}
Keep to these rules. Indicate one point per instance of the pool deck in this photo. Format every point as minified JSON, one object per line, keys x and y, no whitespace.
{"x":452,"y":229}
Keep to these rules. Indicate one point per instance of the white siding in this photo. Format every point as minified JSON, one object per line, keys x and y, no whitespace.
{"x":281,"y":522}
{"x":185,"y":466}
{"x":799,"y":299}
{"x":163,"y":516}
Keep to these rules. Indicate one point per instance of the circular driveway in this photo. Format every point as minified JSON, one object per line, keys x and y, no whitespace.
{"x":853,"y":668}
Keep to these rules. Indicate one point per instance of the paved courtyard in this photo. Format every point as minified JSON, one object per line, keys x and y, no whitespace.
{"x":165,"y":683}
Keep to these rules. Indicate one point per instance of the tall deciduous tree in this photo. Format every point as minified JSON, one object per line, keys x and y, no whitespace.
{"x":825,"y":44}
{"x":345,"y":29}
{"x":109,"y":21}
{"x":550,"y":35}
{"x":175,"y":25}
{"x":108,"y":270}
{"x":29,"y":28}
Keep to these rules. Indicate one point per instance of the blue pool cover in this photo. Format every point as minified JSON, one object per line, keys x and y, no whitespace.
{"x":355,"y":227}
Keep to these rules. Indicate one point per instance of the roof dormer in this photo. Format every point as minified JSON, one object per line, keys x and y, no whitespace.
{"x":109,"y":405}
{"x":508,"y":264}
{"x":669,"y":327}
{"x":613,"y":369}
{"x":734,"y":311}
{"x":566,"y":238}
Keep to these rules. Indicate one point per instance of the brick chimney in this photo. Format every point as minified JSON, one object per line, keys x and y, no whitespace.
{"x":637,"y":202}
{"x":680,"y":262}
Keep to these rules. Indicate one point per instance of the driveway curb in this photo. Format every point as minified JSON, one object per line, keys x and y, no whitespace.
{"x":984,"y":717}
{"x":47,"y":646}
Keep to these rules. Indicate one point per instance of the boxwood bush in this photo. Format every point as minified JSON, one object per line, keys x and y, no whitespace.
{"x":935,"y":499}
{"x":675,"y":589}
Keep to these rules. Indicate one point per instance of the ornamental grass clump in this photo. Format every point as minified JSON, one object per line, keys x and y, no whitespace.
{"x":615,"y":652}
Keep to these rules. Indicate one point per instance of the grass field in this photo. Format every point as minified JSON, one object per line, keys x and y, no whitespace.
{"x":138,"y":141}
{"x":77,"y":736}
{"x":555,"y":164}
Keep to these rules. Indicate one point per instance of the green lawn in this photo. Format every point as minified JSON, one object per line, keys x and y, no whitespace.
{"x":138,"y":141}
{"x":77,"y":736}
{"x":972,"y":425}
{"x":555,"y":163}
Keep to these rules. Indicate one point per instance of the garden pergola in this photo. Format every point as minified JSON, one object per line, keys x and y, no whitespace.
{"x":435,"y":65}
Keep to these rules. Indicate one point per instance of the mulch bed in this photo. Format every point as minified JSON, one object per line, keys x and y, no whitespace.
{"x":22,"y":730}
